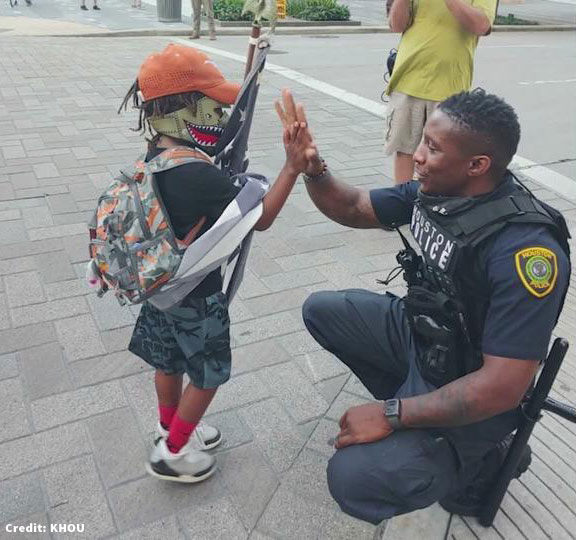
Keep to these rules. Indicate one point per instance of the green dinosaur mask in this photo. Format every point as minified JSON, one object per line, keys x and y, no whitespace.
{"x":204,"y":128}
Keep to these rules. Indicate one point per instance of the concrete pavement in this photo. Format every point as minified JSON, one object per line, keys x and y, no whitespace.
{"x":78,"y":410}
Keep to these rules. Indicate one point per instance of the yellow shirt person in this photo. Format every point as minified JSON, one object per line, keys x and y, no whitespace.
{"x":435,"y":60}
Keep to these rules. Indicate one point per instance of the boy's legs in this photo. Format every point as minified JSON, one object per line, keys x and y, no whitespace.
{"x":189,"y":406}
{"x":201,"y":327}
{"x":169,"y":392}
{"x":191,"y":409}
{"x":192,"y":338}
{"x":194,"y":403}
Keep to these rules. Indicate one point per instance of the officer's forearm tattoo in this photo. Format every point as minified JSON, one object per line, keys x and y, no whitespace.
{"x":459,"y":403}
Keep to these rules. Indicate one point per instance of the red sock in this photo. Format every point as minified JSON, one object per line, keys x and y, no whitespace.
{"x":166,"y":415}
{"x":180,"y":432}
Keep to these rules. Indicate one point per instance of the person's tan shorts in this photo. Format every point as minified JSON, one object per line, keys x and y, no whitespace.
{"x":405,"y":122}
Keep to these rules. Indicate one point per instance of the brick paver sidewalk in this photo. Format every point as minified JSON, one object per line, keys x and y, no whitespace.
{"x":77,"y":410}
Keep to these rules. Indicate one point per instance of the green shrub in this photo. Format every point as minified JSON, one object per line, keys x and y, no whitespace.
{"x":317,"y":10}
{"x":307,"y":10}
{"x":230,"y":10}
{"x":510,"y":19}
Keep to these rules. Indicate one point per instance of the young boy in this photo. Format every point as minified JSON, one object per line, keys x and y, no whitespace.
{"x":182,"y":95}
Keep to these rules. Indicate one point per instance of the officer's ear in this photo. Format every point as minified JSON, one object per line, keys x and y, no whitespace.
{"x":479,"y":165}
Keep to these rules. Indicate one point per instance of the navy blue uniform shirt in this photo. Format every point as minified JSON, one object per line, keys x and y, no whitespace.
{"x":518,"y":323}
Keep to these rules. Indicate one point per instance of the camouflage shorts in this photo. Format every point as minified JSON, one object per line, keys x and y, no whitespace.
{"x":193,"y":338}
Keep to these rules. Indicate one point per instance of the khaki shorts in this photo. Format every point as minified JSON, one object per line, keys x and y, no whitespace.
{"x":405,"y":122}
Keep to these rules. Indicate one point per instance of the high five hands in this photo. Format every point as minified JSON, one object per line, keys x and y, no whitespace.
{"x":301,"y":152}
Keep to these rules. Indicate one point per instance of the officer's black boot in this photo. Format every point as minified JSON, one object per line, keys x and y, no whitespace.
{"x":469,"y":500}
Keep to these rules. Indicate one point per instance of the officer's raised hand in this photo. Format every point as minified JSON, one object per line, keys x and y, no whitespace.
{"x":295,"y":124}
{"x":363,"y":424}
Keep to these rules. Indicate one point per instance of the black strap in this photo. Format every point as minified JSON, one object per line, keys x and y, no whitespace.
{"x":496,"y":211}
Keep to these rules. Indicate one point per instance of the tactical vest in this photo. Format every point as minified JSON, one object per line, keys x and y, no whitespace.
{"x":447,"y":298}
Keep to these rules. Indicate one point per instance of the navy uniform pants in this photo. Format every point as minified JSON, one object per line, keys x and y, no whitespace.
{"x":410,"y":469}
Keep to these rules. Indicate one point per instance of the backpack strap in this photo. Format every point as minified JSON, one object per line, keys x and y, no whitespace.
{"x":176,"y":152}
{"x":134,"y":172}
{"x":192,"y":234}
{"x":176,"y":156}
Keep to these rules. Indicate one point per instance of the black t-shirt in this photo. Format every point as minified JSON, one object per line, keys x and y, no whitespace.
{"x":518,"y":324}
{"x":188,"y":193}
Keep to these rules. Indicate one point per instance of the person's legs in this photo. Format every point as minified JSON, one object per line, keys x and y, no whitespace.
{"x":209,"y":6}
{"x":408,"y":470}
{"x":153,"y":340}
{"x":405,"y":122}
{"x":201,"y":327}
{"x":192,"y":339}
{"x":83,"y":5}
{"x":365,"y":330}
{"x":191,"y":409}
{"x":95,"y":6}
{"x":168,"y":391}
{"x":196,"y":336}
{"x":196,"y":13}
{"x":194,"y":402}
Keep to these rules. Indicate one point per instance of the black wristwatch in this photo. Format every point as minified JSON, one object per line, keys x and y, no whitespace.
{"x":392,"y":410}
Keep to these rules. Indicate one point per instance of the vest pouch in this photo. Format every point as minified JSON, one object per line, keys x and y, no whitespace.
{"x":433,"y":318}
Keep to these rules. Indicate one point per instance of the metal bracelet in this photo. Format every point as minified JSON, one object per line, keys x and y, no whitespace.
{"x":317,"y":177}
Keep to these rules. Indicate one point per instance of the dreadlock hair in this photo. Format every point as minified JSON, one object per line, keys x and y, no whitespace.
{"x":489,"y":120}
{"x":156,"y":107}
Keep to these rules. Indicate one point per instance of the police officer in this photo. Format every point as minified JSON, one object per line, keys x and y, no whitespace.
{"x":449,"y":363}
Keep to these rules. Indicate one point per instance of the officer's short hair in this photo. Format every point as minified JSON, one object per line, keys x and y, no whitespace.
{"x":489,"y":118}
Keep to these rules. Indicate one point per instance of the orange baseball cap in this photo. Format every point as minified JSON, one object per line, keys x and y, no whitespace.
{"x":179,"y":69}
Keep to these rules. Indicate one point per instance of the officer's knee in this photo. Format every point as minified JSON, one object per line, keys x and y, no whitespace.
{"x":371,"y":495}
{"x":341,"y":482}
{"x":315,"y":311}
{"x":349,"y":490}
{"x":313,"y":306}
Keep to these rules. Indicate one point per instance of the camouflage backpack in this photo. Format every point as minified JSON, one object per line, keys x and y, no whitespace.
{"x":132,"y":244}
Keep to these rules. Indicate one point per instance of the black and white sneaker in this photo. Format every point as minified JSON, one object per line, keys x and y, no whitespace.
{"x":204,"y":437}
{"x":188,"y":466}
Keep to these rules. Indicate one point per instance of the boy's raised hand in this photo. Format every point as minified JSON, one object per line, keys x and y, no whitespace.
{"x":301,"y":152}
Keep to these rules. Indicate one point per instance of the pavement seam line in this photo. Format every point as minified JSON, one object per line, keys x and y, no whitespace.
{"x":551,"y":180}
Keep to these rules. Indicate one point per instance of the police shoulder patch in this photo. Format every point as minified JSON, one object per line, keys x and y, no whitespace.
{"x":538,"y":270}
